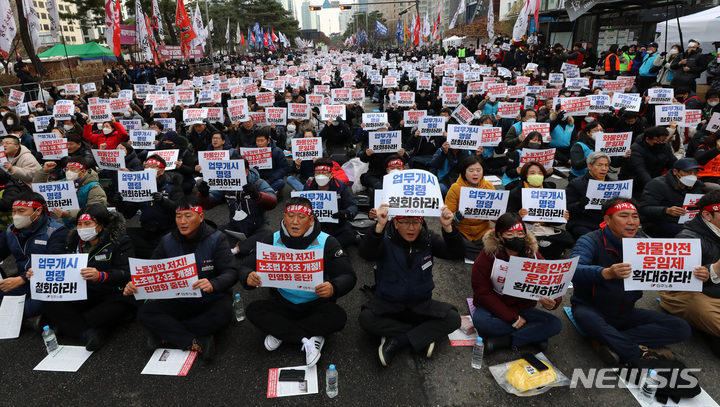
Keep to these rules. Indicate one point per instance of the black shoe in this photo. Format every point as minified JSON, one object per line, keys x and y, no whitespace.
{"x":205,"y":345}
{"x":542,"y":345}
{"x":493,"y":343}
{"x":94,"y":339}
{"x":153,"y":342}
{"x":387,"y":350}
{"x":714,"y":343}
{"x":607,"y":354}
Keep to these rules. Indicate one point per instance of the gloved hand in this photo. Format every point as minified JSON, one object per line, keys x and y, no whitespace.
{"x":157,"y":196}
{"x":584,"y":201}
{"x":251,"y":191}
{"x":343,"y":215}
{"x":561,"y":115}
{"x":621,"y":112}
{"x":458,"y":216}
{"x":611,"y":109}
{"x":204,"y":189}
{"x":118,"y":198}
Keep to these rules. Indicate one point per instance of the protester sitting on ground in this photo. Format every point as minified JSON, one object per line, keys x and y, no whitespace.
{"x":101,"y":234}
{"x":583,"y":220}
{"x":297,"y":316}
{"x":504,"y":321}
{"x":602,"y":307}
{"x":402,"y":311}
{"x":651,"y":157}
{"x":533,"y":141}
{"x":190,"y":323}
{"x":20,"y":162}
{"x":108,"y":136}
{"x":472,"y":175}
{"x":552,"y":240}
{"x":700,"y":309}
{"x":280,"y":167}
{"x":661,"y":203}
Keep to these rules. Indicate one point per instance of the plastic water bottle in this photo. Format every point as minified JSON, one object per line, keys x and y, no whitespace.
{"x":478,"y":351}
{"x":50,"y":339}
{"x":648,"y":389}
{"x":239,"y":308}
{"x":331,"y":382}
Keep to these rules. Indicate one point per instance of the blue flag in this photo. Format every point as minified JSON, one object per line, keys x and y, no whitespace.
{"x":399,"y":32}
{"x":380,"y":28}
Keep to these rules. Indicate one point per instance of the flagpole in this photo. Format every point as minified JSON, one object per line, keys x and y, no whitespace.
{"x":67,"y":59}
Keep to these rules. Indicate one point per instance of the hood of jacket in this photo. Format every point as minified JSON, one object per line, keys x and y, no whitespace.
{"x":493,"y":246}
{"x":23,"y":151}
{"x":110,"y":233}
{"x":253,"y":175}
{"x":302,"y":242}
{"x":90,"y":176}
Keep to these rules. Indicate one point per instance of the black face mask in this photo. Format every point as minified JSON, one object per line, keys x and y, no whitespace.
{"x":516,"y":244}
{"x":534,"y":146}
{"x":166,"y":146}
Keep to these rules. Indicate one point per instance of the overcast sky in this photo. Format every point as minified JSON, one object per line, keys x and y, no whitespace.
{"x":328,"y":17}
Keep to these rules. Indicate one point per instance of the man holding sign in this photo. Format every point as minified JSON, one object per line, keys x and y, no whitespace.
{"x":189,"y":323}
{"x":601,"y":305}
{"x":32,"y":232}
{"x":297,"y":315}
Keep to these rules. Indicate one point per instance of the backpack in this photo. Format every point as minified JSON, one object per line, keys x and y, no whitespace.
{"x":339,"y":173}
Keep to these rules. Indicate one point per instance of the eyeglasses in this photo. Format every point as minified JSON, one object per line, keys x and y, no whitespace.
{"x":408,"y":223}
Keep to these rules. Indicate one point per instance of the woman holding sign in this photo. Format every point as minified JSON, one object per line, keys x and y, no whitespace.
{"x":553,"y":240}
{"x":533,"y":141}
{"x":472,"y":175}
{"x":504,"y":321}
{"x":101,"y":234}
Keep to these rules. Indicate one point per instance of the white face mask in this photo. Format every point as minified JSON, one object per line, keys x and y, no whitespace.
{"x":589,"y":119}
{"x":288,"y":100}
{"x":10,"y":122}
{"x":688,"y":180}
{"x":713,"y":104}
{"x":322,"y":180}
{"x":31,"y":120}
{"x":126,"y":114}
{"x":673,"y":51}
{"x":291,"y":128}
{"x":40,"y":109}
{"x":394,"y":171}
{"x":22,"y":221}
{"x":87,"y":234}
{"x":68,"y":127}
{"x":530,"y":120}
{"x":487,"y":125}
{"x":594,"y":135}
{"x":72,"y":175}
{"x":492,"y":99}
{"x":107,"y":131}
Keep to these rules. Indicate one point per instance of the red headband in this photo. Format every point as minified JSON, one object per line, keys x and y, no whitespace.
{"x":517,"y":226}
{"x":396,"y":162}
{"x":406,"y":217}
{"x":76,"y":165}
{"x":28,"y":204}
{"x":196,"y":209}
{"x":323,"y":168}
{"x":712,"y":208}
{"x":299,"y":208}
{"x":153,"y":161}
{"x":620,"y":207}
{"x":86,"y":217}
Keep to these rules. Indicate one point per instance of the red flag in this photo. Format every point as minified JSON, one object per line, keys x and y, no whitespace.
{"x":537,"y":15}
{"x":187,"y":33}
{"x":242,"y":39}
{"x":265,"y":37}
{"x":416,"y":34}
{"x":112,"y":25}
{"x":273,"y":36}
{"x":151,"y":38}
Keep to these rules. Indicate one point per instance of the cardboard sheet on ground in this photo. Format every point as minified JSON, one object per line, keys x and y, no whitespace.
{"x":544,"y":205}
{"x":412,"y":193}
{"x":64,"y":359}
{"x":170,"y":362}
{"x":59,"y":194}
{"x":281,"y":267}
{"x":165,"y":278}
{"x":533,"y":279}
{"x":276,"y":388}
{"x":56,"y":277}
{"x":476,"y":203}
{"x":11,"y":315}
{"x":662,"y":264}
{"x":324,"y":204}
{"x":600,"y":191}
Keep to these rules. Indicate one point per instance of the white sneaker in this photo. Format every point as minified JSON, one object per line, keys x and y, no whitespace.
{"x":312,"y":349}
{"x":272,"y":343}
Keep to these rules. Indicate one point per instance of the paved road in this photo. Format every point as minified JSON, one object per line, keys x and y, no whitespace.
{"x":239,"y":374}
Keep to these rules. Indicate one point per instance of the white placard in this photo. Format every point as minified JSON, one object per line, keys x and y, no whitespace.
{"x":509,"y":110}
{"x":714,"y":123}
{"x":324,"y":204}
{"x":575,"y":106}
{"x":238,"y":110}
{"x":374,"y":121}
{"x":142,"y":139}
{"x":225,"y":175}
{"x":194,"y":116}
{"x":133,"y":124}
{"x":613,"y":144}
{"x":306,"y":148}
{"x":170,"y":362}
{"x":666,"y":114}
{"x":412,"y":193}
{"x":100,"y":113}
{"x":11,"y":315}
{"x":276,"y":115}
{"x":58,"y":194}
{"x":662,"y":264}
{"x":534,"y":279}
{"x":661,"y":96}
{"x":299,"y":111}
{"x":137,"y":186}
{"x":291,"y":269}
{"x":600,"y":191}
{"x":544,"y":157}
{"x":690,"y":201}
{"x":52,"y":146}
{"x":432,"y":125}
{"x":599,"y":103}
{"x":109,"y":159}
{"x":330,"y":112}
{"x":544,"y":205}
{"x":260,"y":158}
{"x":464,"y":137}
{"x":476,"y":203}
{"x":165,"y":278}
{"x":628,"y":101}
{"x":462,"y":114}
{"x":384,"y":141}
{"x":56,"y":277}
{"x":411,"y":118}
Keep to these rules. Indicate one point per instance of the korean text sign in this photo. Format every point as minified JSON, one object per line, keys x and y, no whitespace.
{"x":544,"y":205}
{"x":280,"y":267}
{"x":137,"y":186}
{"x":225,"y":175}
{"x":56,"y":277}
{"x":533,"y":279}
{"x":324,"y":204}
{"x":58,"y":194}
{"x":165,"y":278}
{"x":662,"y":264}
{"x":476,"y":203}
{"x":412,"y":193}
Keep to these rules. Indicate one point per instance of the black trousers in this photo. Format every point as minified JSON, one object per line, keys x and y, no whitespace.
{"x":291,"y":322}
{"x":72,"y":318}
{"x":179,"y":322}
{"x":145,"y":241}
{"x":420,"y":329}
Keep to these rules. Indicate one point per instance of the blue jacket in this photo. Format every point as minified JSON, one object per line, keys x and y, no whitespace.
{"x":212,"y":257}
{"x":45,"y":236}
{"x":647,"y":64}
{"x":404,"y":269}
{"x":448,"y":164}
{"x":597,"y":250}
